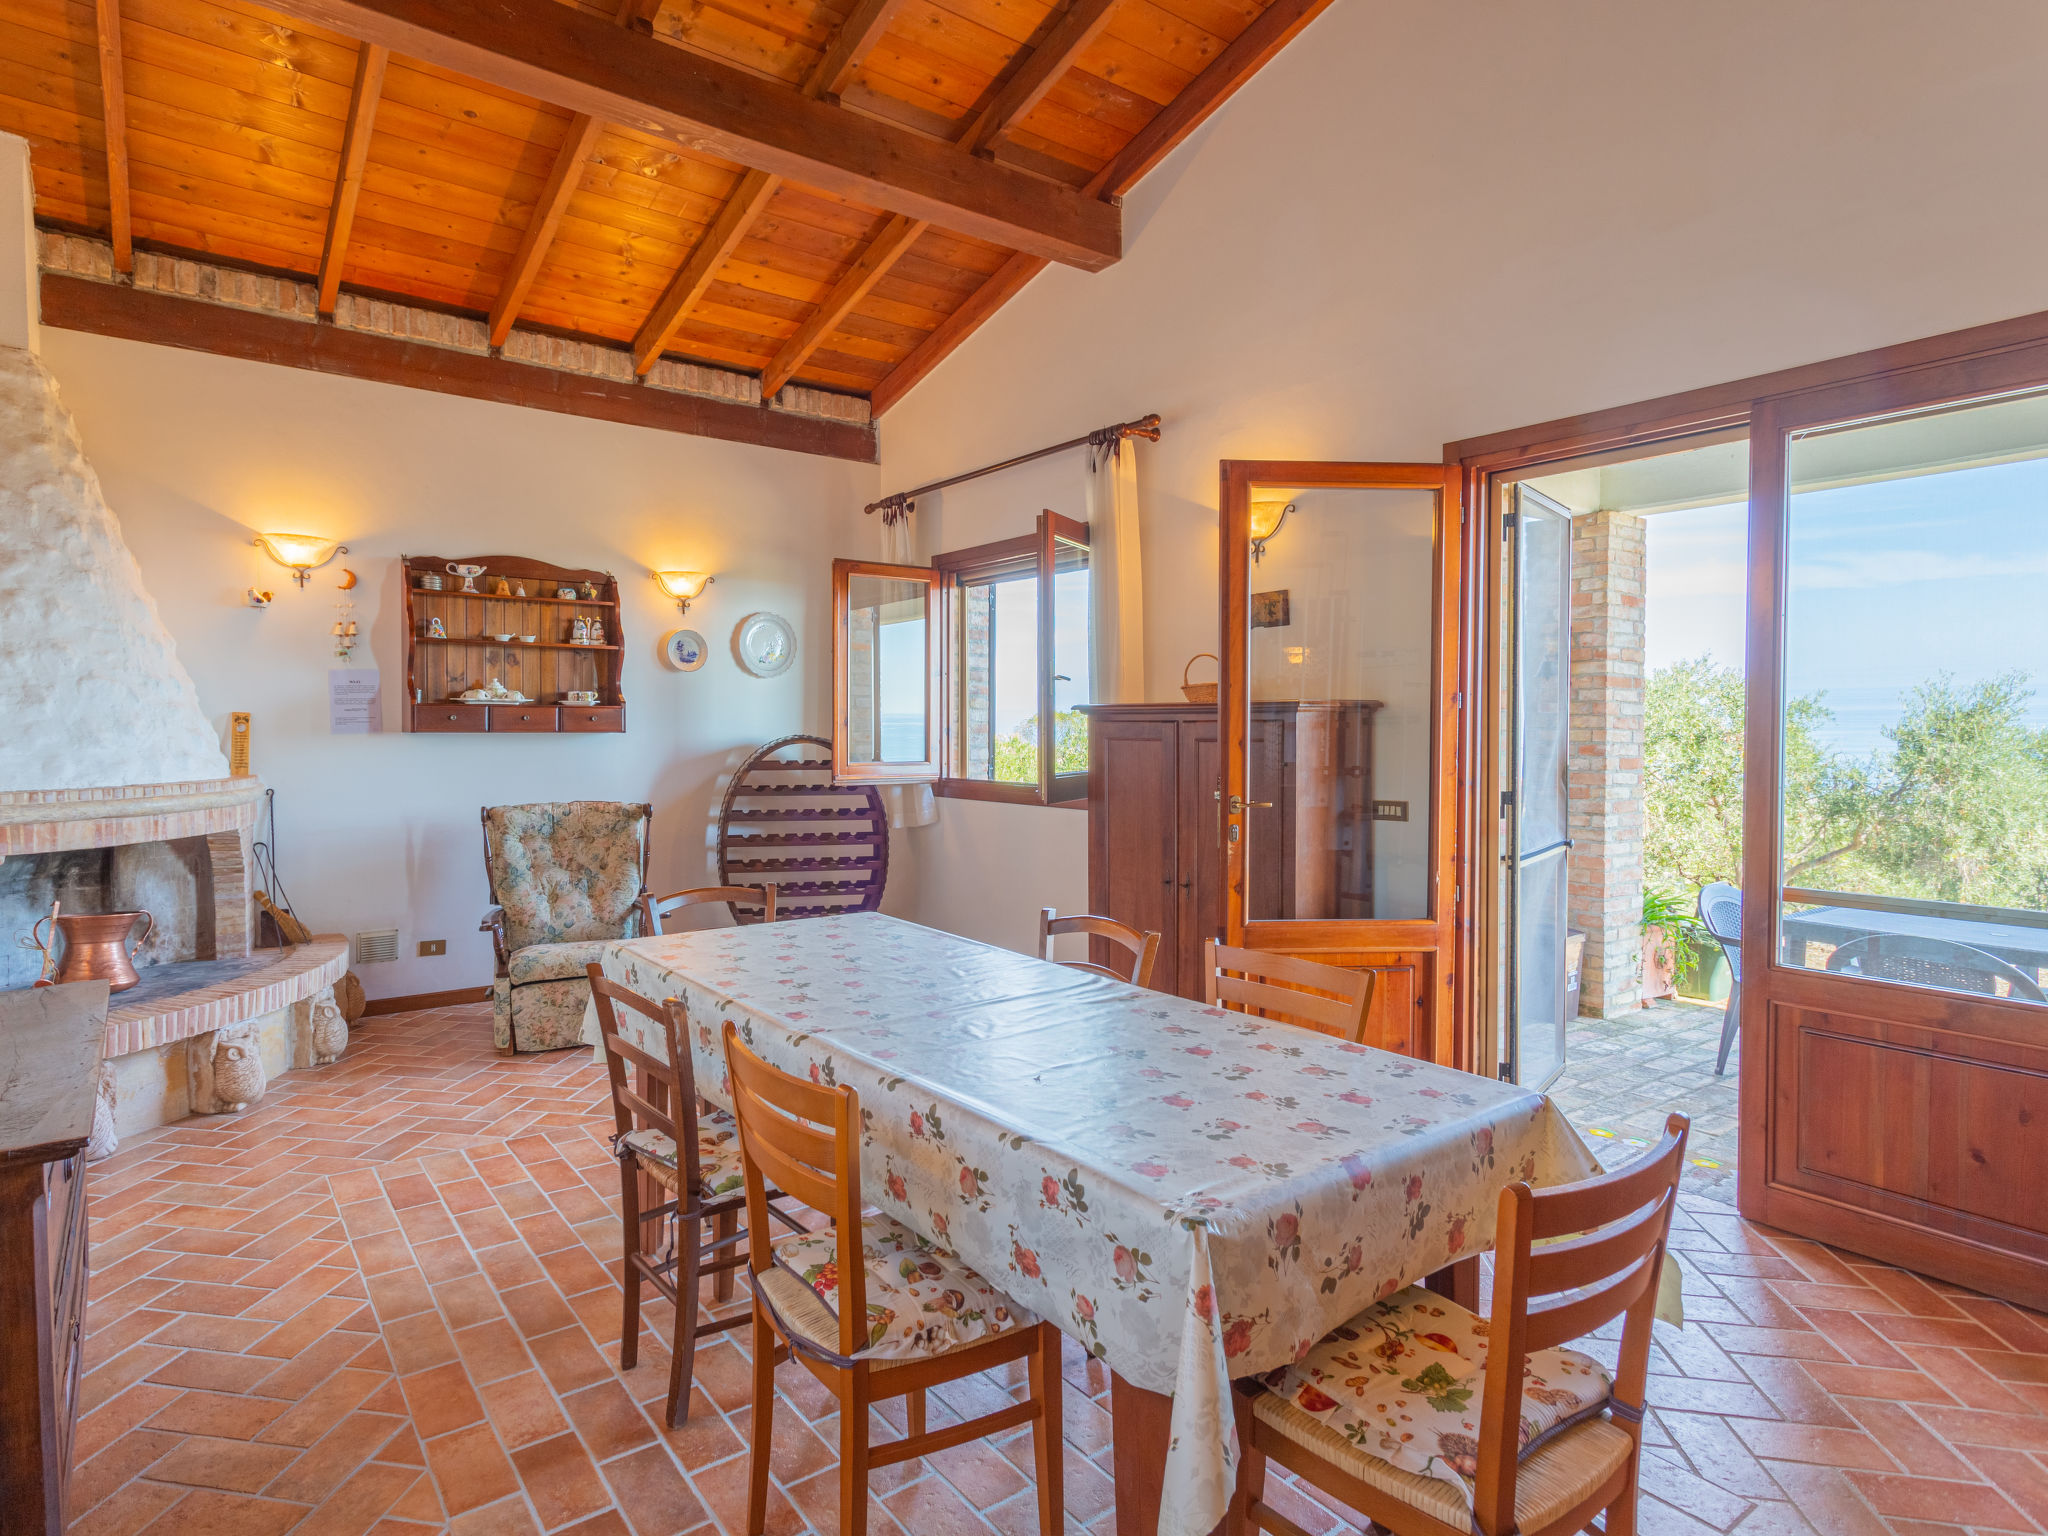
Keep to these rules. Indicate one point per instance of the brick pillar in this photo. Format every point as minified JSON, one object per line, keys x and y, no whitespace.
{"x":1607,"y":755}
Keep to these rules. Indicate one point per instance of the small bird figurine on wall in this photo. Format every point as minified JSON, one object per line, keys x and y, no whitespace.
{"x":260,"y":599}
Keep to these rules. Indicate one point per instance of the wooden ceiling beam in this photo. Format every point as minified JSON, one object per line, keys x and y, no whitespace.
{"x":1081,"y":24}
{"x":1244,"y":56}
{"x":857,"y":34}
{"x":114,"y":112}
{"x":880,"y":254}
{"x":1240,"y":59}
{"x":561,"y":185}
{"x":706,"y":257}
{"x":856,"y":38}
{"x":371,"y":60}
{"x":584,"y":62}
{"x":996,"y":290}
{"x":171,"y":320}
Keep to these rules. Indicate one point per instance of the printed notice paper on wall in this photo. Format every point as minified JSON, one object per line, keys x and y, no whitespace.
{"x":353,"y":708}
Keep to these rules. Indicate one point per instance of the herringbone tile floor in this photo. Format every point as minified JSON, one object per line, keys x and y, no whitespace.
{"x":386,"y":1301}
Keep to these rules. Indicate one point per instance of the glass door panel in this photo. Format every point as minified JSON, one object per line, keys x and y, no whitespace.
{"x":1537,"y":803}
{"x":1340,"y":647}
{"x":1913,"y":816}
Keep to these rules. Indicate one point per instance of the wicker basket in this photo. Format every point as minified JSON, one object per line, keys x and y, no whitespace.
{"x":1198,"y":693}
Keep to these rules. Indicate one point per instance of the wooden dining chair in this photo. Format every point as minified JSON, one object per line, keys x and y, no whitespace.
{"x":665,"y":1134}
{"x":902,"y":1316}
{"x":1305,"y":992}
{"x":1144,"y":946}
{"x":1540,"y":1447}
{"x":734,"y":896}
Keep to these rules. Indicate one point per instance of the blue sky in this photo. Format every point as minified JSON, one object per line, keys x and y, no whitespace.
{"x":1892,"y":583}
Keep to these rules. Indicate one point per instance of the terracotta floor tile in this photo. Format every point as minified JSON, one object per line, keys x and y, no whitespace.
{"x":1931,"y":1498}
{"x":523,"y":1408}
{"x":568,"y":1360}
{"x":239,"y":1466}
{"x":561,"y":1480}
{"x":419,"y":1342}
{"x":127,"y":1511}
{"x":608,"y":1420}
{"x":432,"y":1209}
{"x":306,"y":1421}
{"x":217,"y":1413}
{"x":492,"y":1351}
{"x":206,"y":1512}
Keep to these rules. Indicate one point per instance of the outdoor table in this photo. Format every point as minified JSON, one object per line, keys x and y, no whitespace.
{"x":2025,"y":947}
{"x":1192,"y":1194}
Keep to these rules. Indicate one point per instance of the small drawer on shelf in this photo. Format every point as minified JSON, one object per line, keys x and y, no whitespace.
{"x":450,"y":717}
{"x":522,"y":717}
{"x":593,"y":717}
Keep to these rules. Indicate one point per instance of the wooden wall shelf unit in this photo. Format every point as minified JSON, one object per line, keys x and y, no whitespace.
{"x":547,"y":669}
{"x":52,"y":1042}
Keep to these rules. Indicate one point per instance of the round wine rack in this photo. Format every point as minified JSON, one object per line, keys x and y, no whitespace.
{"x":823,"y":846}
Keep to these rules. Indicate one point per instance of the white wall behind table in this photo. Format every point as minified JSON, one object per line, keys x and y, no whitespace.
{"x":197,"y":453}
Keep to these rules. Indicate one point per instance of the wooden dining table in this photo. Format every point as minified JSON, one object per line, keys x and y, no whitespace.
{"x":1193,"y":1195}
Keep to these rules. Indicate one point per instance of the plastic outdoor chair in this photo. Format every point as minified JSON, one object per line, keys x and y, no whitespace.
{"x":1940,"y":963}
{"x":1721,"y":915}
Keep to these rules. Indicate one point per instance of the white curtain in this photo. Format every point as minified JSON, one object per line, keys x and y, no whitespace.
{"x":909,"y":805}
{"x":1118,"y":578}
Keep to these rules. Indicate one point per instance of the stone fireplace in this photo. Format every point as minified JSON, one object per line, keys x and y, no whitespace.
{"x":115,"y":794}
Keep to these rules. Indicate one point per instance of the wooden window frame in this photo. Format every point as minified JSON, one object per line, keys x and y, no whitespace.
{"x":844,"y":772}
{"x":958,"y":568}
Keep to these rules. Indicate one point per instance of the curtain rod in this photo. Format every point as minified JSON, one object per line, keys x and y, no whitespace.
{"x":1147,"y":427}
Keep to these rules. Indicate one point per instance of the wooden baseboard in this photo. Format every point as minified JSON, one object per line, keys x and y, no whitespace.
{"x":420,"y":1000}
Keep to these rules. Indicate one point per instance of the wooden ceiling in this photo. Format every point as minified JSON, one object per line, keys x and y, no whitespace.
{"x":830,"y":191}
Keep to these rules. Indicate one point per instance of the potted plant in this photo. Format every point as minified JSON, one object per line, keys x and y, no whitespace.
{"x":1672,"y":941}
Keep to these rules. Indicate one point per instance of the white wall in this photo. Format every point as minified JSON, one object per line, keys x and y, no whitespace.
{"x":1429,"y":219}
{"x":197,"y":452}
{"x":985,"y":869}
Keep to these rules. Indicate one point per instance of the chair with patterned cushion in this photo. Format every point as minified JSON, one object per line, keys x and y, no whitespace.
{"x":686,"y":1150}
{"x":565,"y":880}
{"x":1398,"y":1413}
{"x":906,"y":1315}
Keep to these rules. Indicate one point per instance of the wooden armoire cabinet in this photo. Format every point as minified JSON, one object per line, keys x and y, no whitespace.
{"x":1154,"y":839}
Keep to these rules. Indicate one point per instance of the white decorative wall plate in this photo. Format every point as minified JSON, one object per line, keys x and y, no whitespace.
{"x":684,"y":649}
{"x":765,"y":644}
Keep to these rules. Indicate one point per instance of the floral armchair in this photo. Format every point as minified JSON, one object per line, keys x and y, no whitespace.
{"x":567,"y":879}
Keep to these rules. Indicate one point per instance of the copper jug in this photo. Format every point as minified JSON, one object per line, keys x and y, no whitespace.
{"x":96,"y":947}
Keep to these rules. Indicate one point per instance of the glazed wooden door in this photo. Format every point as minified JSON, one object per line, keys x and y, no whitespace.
{"x":1340,"y":606}
{"x":1894,"y":1036}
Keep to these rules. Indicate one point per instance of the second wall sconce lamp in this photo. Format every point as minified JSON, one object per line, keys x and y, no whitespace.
{"x":684,"y":586}
{"x":1267,"y":516}
{"x":301,"y":553}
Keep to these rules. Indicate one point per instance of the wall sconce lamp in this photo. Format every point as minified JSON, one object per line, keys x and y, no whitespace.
{"x":301,"y":553}
{"x":684,"y":586}
{"x":1267,"y":516}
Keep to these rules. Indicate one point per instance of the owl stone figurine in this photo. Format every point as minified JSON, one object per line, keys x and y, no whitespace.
{"x":330,"y":1033}
{"x":238,"y":1078}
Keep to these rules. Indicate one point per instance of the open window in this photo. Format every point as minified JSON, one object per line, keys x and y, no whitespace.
{"x":1018,"y":666}
{"x":886,"y":661}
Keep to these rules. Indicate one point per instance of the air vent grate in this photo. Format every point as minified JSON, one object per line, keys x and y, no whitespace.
{"x":377,"y":947}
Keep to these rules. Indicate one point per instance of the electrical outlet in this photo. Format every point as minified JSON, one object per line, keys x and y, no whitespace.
{"x":433,"y":947}
{"x":1390,"y":810}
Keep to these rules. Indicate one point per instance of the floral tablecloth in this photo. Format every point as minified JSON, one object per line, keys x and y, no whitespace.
{"x":1194,"y":1195}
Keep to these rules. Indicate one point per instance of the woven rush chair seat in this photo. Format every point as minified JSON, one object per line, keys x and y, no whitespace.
{"x":1431,"y":1420}
{"x":718,"y":1156}
{"x":921,"y":1300}
{"x":1555,"y":1477}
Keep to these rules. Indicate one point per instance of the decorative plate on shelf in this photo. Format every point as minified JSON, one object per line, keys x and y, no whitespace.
{"x":765,"y":644}
{"x":684,"y":649}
